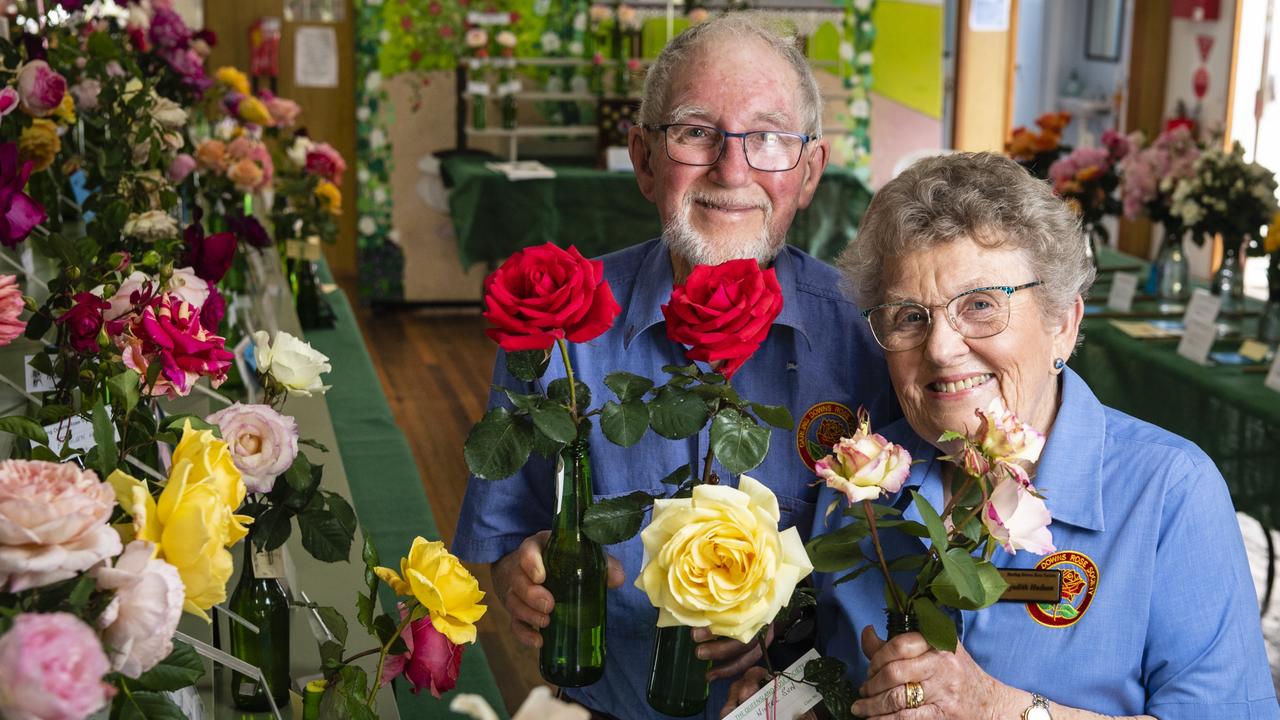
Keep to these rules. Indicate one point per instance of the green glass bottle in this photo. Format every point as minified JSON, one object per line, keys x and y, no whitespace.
{"x":573,"y":643}
{"x":678,"y":680}
{"x":260,"y":598}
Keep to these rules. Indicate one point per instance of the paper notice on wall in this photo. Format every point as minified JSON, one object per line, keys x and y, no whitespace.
{"x":989,"y":15}
{"x":315,"y":57}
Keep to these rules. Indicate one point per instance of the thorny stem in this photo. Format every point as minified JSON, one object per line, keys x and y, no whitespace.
{"x":884,"y":566}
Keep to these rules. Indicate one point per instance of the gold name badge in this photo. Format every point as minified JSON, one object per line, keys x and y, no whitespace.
{"x":1032,"y":586}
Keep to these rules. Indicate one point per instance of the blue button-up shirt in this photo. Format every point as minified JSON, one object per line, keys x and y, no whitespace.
{"x":1160,"y":616}
{"x":819,"y":355}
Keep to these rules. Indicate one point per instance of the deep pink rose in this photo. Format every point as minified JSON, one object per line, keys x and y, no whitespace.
{"x":182,"y":166}
{"x":169,"y":332}
{"x":209,"y":255}
{"x":51,"y":668}
{"x":324,"y":161}
{"x":40,"y":88}
{"x":168,"y":30}
{"x":213,"y":310}
{"x":8,"y":101}
{"x":21,"y":213}
{"x":432,"y":662}
{"x":84,"y":321}
{"x":11,"y":306}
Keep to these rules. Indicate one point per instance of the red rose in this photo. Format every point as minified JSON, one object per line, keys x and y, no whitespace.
{"x":723,"y":312}
{"x":84,"y":320}
{"x":543,"y":294}
{"x":431,"y":662}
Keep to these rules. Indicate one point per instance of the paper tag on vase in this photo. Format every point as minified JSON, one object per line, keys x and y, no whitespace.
{"x":781,"y":698}
{"x":269,"y":564}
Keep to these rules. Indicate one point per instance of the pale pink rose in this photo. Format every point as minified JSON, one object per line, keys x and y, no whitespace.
{"x":182,"y":166}
{"x":11,"y":306}
{"x":114,"y":69}
{"x":40,"y":88}
{"x":125,"y":300}
{"x":866,"y":465}
{"x":240,"y":148}
{"x":51,"y":668}
{"x":53,"y":522}
{"x":284,"y":112}
{"x":263,"y":442}
{"x":86,"y":94}
{"x":1017,"y":519}
{"x":8,"y":101}
{"x":1002,"y":436}
{"x":138,"y":625}
{"x":185,"y":284}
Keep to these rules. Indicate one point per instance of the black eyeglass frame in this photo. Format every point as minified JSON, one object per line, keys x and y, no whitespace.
{"x":805,"y":139}
{"x":1009,"y":290}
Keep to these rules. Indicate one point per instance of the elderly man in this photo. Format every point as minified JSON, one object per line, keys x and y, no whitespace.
{"x":729,"y":148}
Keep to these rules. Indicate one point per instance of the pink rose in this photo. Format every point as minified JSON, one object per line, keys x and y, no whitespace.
{"x":168,"y":331}
{"x":866,"y":465}
{"x":324,"y":161}
{"x":240,"y":148}
{"x":40,"y":88}
{"x":1002,"y":436}
{"x":185,"y":284}
{"x":138,"y":625}
{"x":263,"y":442}
{"x":11,"y":306}
{"x":86,"y":94}
{"x":51,"y":668}
{"x":8,"y":101}
{"x":432,"y":662}
{"x":53,"y":522}
{"x":182,"y":166}
{"x":1017,"y":519}
{"x":134,"y":291}
{"x":284,"y":112}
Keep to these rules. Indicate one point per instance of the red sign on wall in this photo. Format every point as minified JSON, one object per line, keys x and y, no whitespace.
{"x":1197,"y":9}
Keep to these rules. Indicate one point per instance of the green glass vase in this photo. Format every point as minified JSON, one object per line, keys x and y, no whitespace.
{"x":573,"y":643}
{"x":678,"y":680}
{"x":260,"y":598}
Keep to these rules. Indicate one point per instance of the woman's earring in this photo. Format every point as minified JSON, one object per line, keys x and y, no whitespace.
{"x":1059,"y":363}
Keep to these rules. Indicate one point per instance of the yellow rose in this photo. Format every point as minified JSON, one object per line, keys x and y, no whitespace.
{"x":194,"y":521}
{"x":444,"y":587}
{"x":717,"y":560}
{"x":251,"y":110}
{"x":66,"y":110}
{"x":40,"y":144}
{"x":233,"y":78}
{"x":330,"y":197}
{"x":1272,"y":243}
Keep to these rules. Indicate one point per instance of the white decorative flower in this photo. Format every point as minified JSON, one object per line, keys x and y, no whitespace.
{"x":368,"y":226}
{"x":377,"y":138}
{"x":362,"y":113}
{"x":575,"y":48}
{"x":138,"y":625}
{"x":506,"y":39}
{"x":860,"y":109}
{"x":373,"y":81}
{"x":362,"y":174}
{"x":862,"y":6}
{"x":846,"y":51}
{"x":384,"y":36}
{"x":550,"y":42}
{"x":394,"y":236}
{"x":864,"y":58}
{"x":379,"y":195}
{"x":297,"y":152}
{"x":580,"y":22}
{"x":291,"y":362}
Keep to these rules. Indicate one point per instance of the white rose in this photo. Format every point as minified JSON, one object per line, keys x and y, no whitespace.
{"x":168,"y":113}
{"x":575,"y":48}
{"x":185,"y":284}
{"x":297,"y":152}
{"x":121,"y":304}
{"x":139,"y":624}
{"x":151,"y":225}
{"x":550,"y":42}
{"x":291,"y":362}
{"x":846,"y":51}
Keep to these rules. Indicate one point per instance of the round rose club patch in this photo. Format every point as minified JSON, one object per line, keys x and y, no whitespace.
{"x":820,"y":429}
{"x":1079,"y":583}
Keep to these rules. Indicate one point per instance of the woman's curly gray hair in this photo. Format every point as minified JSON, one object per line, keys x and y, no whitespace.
{"x":982,"y":196}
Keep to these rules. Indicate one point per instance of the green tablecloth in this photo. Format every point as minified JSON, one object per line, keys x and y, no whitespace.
{"x":386,"y":489}
{"x":1229,"y":413}
{"x":599,"y":211}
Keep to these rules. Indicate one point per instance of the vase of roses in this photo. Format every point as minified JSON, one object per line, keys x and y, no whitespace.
{"x":1087,"y":179}
{"x":1149,"y":176}
{"x":993,"y":504}
{"x":1038,"y":149}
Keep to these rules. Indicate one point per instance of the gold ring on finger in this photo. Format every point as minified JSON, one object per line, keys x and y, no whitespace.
{"x":915,"y":694}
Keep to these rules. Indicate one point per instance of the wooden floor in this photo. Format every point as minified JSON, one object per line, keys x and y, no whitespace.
{"x":435,"y":368}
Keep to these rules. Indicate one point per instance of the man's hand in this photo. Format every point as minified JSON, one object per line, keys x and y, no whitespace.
{"x":729,"y":657}
{"x":518,"y":579}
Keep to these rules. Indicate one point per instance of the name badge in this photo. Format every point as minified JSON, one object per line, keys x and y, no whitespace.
{"x":1032,"y":586}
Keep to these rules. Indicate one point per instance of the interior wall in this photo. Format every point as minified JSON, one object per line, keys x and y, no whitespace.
{"x":984,"y":88}
{"x":907,"y":92}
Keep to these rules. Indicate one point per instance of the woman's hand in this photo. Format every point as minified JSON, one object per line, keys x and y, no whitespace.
{"x":953,"y":684}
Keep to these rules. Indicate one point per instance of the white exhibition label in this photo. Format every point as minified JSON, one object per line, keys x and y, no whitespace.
{"x":476,"y":87}
{"x":1197,"y":340}
{"x":489,"y":18}
{"x":781,"y":699}
{"x":1203,"y":308}
{"x":36,"y":380}
{"x":1123,"y":287}
{"x":76,"y":432}
{"x":1273,"y":375}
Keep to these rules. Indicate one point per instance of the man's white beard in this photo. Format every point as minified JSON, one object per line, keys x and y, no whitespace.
{"x":697,"y":249}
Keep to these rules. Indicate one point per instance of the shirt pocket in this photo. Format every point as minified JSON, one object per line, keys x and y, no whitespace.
{"x":795,"y":512}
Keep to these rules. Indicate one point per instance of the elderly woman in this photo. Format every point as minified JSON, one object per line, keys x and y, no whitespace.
{"x":974,"y":273}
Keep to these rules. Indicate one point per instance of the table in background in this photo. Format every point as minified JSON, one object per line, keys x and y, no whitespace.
{"x":599,"y":211}
{"x":1229,"y":413}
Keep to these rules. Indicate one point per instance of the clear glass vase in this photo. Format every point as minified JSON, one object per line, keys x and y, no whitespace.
{"x":1171,"y":272}
{"x":1228,"y":281}
{"x":1269,"y":321}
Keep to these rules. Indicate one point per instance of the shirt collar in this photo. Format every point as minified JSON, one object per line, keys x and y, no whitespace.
{"x":652,"y":290}
{"x":1069,"y":473}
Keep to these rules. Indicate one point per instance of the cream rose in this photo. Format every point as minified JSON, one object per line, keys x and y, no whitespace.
{"x":866,"y":465}
{"x":151,"y":225}
{"x":1002,"y":436}
{"x":137,"y":627}
{"x":291,"y":362}
{"x":717,"y":560}
{"x":53,"y":523}
{"x":167,"y":113}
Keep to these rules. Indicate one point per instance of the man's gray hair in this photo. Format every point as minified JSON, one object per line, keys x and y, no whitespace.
{"x":982,"y":196}
{"x":735,"y":26}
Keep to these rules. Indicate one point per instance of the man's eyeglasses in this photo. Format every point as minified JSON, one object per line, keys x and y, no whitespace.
{"x":767,"y":150}
{"x":978,"y":313}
